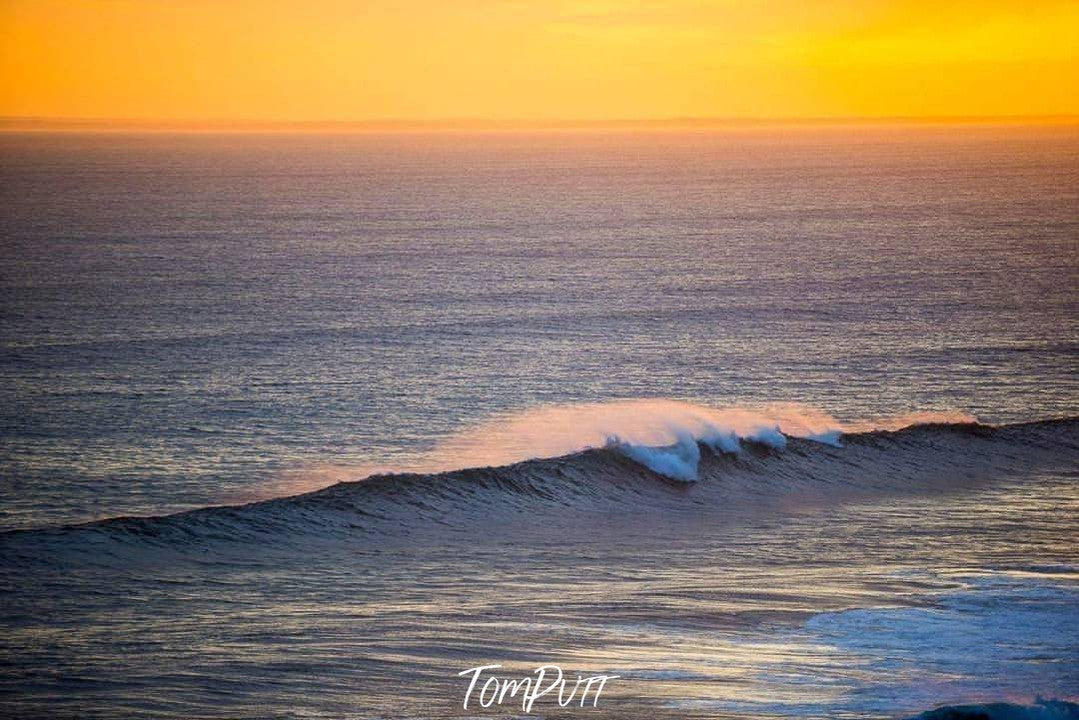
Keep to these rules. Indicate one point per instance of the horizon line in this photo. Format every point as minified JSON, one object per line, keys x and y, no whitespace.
{"x":11,"y":124}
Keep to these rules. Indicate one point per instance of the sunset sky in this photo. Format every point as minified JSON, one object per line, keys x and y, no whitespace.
{"x":536,"y":60}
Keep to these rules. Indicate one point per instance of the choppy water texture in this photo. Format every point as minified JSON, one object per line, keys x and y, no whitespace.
{"x":191,"y":321}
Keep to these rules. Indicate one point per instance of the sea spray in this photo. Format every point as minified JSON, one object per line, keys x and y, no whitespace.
{"x":660,"y":434}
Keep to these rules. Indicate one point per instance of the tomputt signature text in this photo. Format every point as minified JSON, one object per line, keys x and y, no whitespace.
{"x":494,"y":690}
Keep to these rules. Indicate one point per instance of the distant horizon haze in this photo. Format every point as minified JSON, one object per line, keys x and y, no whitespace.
{"x":481,"y":124}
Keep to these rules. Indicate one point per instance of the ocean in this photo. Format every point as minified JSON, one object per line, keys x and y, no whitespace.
{"x":767,"y":422}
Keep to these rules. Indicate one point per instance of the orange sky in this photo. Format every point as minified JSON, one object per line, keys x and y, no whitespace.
{"x":536,"y":59}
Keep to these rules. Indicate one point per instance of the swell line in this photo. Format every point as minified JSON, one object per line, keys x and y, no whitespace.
{"x":914,"y":460}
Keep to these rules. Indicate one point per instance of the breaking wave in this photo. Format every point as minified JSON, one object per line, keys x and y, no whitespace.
{"x":689,"y":460}
{"x":660,"y":434}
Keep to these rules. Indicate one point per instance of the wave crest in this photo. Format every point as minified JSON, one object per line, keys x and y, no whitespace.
{"x":660,"y":434}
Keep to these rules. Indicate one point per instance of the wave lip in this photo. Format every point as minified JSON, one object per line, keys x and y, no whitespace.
{"x":681,"y":459}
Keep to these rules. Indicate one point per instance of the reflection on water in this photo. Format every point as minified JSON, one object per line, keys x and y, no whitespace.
{"x":857,"y":609}
{"x":186,"y":316}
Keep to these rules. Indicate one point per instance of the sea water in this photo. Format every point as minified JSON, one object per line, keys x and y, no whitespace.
{"x":738,"y":323}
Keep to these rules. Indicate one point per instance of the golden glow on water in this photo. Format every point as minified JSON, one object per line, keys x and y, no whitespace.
{"x":424,"y":59}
